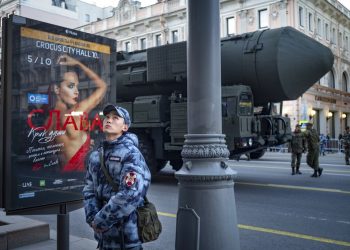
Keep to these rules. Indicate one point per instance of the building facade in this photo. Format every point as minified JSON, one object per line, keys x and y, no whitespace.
{"x":67,"y":13}
{"x":326,"y":103}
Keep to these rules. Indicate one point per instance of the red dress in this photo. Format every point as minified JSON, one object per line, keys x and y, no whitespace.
{"x":76,"y":163}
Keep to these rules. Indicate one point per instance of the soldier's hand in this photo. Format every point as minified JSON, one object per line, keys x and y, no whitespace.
{"x":97,"y":230}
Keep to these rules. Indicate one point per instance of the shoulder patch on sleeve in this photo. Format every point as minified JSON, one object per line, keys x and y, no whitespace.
{"x":130,"y":178}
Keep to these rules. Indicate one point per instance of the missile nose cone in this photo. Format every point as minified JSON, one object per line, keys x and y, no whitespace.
{"x":278,"y":64}
{"x":301,"y":61}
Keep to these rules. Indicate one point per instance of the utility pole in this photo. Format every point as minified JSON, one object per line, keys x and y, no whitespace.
{"x":206,"y":217}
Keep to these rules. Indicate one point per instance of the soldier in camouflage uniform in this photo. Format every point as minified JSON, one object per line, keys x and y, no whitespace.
{"x":297,"y":147}
{"x":312,"y":140}
{"x":346,"y":143}
{"x":112,"y":214}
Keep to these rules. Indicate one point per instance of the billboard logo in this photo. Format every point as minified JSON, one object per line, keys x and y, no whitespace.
{"x":57,"y":182}
{"x":71,"y":32}
{"x":38,"y":98}
{"x":26,"y":184}
{"x":42,"y":183}
{"x":26,"y":195}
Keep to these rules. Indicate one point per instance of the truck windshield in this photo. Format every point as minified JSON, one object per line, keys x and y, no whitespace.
{"x":245,"y":104}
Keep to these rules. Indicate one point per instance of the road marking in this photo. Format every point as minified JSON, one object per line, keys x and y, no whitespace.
{"x":167,"y":214}
{"x":279,"y":232}
{"x":295,"y":187}
{"x":303,"y":163}
{"x":295,"y":235}
{"x":328,"y":171}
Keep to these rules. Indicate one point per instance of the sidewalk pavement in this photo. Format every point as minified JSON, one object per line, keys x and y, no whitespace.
{"x":75,"y":243}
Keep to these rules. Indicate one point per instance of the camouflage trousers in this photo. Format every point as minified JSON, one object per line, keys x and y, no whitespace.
{"x":312,"y":158}
{"x":347,"y":155}
{"x":296,"y":157}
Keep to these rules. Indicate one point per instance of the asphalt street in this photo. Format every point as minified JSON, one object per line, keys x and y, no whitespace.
{"x":275,"y":210}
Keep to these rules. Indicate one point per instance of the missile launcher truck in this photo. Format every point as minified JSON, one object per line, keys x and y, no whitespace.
{"x":257,"y":70}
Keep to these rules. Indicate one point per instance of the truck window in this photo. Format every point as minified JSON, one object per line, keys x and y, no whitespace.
{"x":245,"y":104}
{"x":224,"y":108}
{"x":229,"y":106}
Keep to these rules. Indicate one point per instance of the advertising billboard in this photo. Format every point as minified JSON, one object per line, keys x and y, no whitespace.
{"x":55,"y":84}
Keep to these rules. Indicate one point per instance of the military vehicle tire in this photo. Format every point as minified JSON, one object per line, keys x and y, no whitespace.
{"x":176,"y":164}
{"x":257,"y":154}
{"x":161,"y":164}
{"x":147,"y":149}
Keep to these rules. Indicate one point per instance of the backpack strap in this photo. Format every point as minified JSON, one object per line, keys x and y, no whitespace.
{"x":115,"y":186}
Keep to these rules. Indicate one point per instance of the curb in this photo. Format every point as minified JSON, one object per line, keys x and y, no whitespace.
{"x":17,"y":231}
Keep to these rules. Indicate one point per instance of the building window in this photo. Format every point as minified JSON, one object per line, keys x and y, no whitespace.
{"x":340,"y":40}
{"x":311,"y":22}
{"x":344,"y":83}
{"x":175,"y":36}
{"x":346,"y":43}
{"x":127,"y":46}
{"x":301,"y":16}
{"x":326,"y":31}
{"x":158,"y":40}
{"x":231,"y":26}
{"x":319,"y":27}
{"x":334,"y":36}
{"x":87,"y":18}
{"x":263,"y":19}
{"x":143,"y":43}
{"x":330,"y":79}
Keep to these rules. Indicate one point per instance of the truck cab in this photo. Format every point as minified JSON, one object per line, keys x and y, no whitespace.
{"x":238,"y":117}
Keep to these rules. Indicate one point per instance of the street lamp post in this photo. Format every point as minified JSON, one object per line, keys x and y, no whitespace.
{"x":206,"y":217}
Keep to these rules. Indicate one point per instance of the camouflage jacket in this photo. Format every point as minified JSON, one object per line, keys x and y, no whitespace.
{"x":297,"y":144}
{"x":110,"y":210}
{"x":346,"y":140}
{"x":312,"y":139}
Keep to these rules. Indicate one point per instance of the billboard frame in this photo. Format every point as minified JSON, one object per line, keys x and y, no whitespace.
{"x":6,"y":166}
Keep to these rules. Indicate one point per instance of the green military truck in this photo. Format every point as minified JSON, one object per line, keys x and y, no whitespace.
{"x":257,"y":70}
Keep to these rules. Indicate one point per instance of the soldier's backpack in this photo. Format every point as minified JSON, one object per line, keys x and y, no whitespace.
{"x":148,"y":223}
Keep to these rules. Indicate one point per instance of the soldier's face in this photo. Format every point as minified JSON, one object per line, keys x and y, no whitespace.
{"x":113,"y":125}
{"x":297,"y":129}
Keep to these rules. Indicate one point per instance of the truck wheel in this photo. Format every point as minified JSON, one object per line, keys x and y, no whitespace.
{"x":161,"y":164}
{"x":176,"y":164}
{"x":257,"y":154}
{"x":147,"y":150}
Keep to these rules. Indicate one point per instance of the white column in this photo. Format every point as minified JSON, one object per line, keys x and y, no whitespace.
{"x":323,"y":121}
{"x":337,"y":128}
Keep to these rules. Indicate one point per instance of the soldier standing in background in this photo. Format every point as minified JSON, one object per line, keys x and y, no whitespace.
{"x":297,"y":147}
{"x":346,"y":143}
{"x":312,"y":140}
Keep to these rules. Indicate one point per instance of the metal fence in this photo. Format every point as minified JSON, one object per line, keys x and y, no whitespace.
{"x":329,"y":146}
{"x":334,"y":146}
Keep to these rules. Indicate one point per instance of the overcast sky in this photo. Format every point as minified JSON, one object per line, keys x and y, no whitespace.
{"x":104,"y":3}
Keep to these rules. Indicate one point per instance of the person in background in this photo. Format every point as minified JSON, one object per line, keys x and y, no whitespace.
{"x":312,"y":156}
{"x":346,"y":144}
{"x":297,"y":148}
{"x":323,"y":140}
